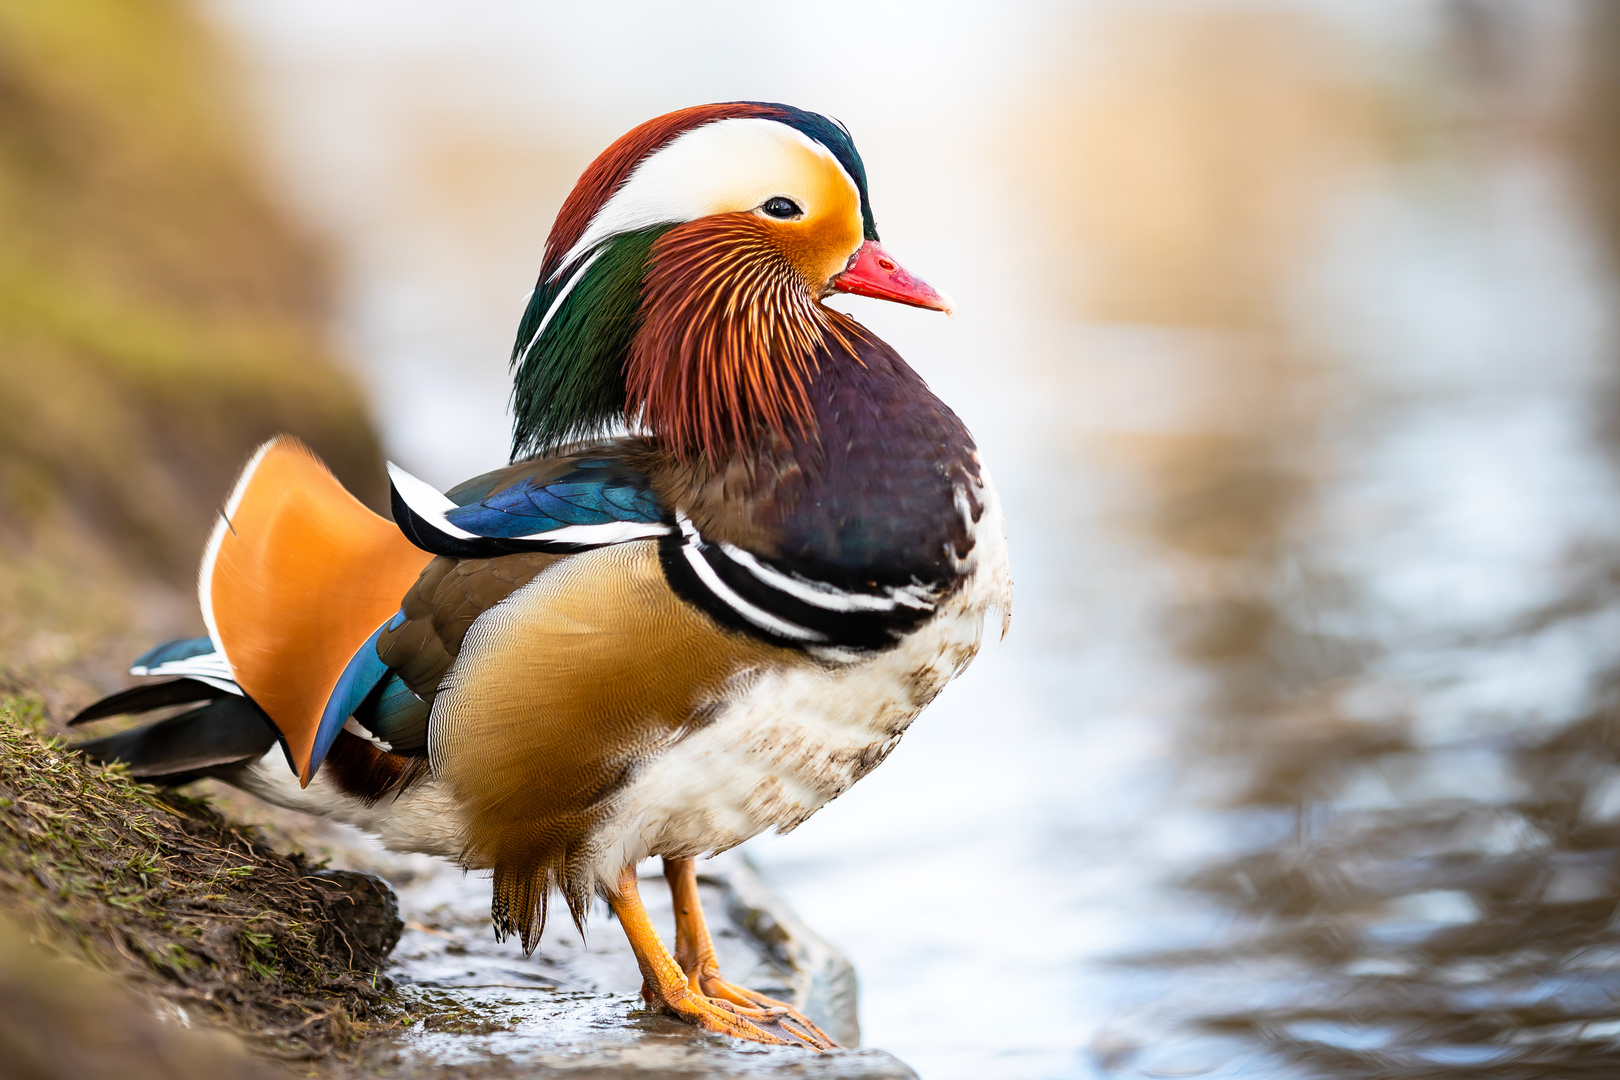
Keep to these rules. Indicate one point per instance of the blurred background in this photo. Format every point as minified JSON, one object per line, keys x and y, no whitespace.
{"x":1287,"y":328}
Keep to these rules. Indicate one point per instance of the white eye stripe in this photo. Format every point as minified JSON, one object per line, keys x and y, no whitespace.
{"x":734,"y":164}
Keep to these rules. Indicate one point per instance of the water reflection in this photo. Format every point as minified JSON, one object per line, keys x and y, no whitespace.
{"x":1444,"y":739}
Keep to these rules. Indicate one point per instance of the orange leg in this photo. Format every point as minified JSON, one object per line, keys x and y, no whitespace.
{"x":694,"y":952}
{"x":667,"y":989}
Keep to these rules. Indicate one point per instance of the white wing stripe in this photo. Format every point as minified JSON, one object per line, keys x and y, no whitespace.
{"x":427,"y":501}
{"x":608,"y":532}
{"x":228,"y":685}
{"x":354,"y":727}
{"x":210,"y":668}
{"x":206,"y":664}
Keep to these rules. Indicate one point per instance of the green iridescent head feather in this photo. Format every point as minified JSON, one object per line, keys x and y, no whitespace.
{"x":569,"y":379}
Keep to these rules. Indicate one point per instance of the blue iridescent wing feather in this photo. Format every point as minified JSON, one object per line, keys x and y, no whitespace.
{"x":551,"y":505}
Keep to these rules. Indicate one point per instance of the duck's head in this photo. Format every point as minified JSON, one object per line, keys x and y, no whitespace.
{"x":682,"y":282}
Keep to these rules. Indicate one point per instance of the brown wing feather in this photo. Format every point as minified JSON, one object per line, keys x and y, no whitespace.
{"x":442,"y":605}
{"x":558,"y":693}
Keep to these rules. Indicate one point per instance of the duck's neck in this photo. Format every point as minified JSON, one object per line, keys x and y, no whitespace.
{"x":568,"y":361}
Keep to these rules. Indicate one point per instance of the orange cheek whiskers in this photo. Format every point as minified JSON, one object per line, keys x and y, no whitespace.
{"x":729,"y":338}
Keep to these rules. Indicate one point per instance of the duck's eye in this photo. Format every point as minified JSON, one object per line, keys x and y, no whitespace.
{"x":779,"y":207}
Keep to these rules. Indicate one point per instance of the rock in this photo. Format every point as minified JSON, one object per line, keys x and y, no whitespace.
{"x":479,"y":1008}
{"x":572,"y":1009}
{"x":366,"y":909}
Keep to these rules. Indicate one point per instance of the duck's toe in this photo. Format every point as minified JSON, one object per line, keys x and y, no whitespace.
{"x":752,"y":1004}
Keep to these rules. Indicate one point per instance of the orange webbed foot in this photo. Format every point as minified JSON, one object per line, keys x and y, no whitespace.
{"x":776,"y":1024}
{"x":694,"y":951}
{"x":704,"y":1000}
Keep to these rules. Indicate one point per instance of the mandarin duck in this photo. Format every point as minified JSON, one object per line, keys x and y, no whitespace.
{"x":740,"y":547}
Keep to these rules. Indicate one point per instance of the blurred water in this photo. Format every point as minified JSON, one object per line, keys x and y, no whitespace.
{"x":1287,"y":331}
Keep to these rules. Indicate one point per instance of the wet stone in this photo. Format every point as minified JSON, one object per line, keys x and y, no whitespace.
{"x":480,"y":1008}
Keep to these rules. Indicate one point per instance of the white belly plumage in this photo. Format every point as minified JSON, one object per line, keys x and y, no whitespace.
{"x":783,"y":746}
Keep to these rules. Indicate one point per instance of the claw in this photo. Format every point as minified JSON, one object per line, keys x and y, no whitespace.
{"x":718,"y":1017}
{"x":760,"y":1006}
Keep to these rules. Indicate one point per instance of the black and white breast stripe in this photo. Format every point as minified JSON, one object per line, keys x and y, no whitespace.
{"x":744,"y":592}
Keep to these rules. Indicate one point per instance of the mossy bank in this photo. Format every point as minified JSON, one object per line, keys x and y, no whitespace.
{"x":200,"y":913}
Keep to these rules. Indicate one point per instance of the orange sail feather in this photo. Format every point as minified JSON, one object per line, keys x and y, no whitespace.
{"x":296,"y":576}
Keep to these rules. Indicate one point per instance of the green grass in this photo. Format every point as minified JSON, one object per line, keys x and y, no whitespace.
{"x":162,"y":890}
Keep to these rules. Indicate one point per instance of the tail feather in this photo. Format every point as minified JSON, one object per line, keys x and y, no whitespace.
{"x":294,"y":583}
{"x":228,"y":731}
{"x":139,"y":699}
{"x":188,"y":658}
